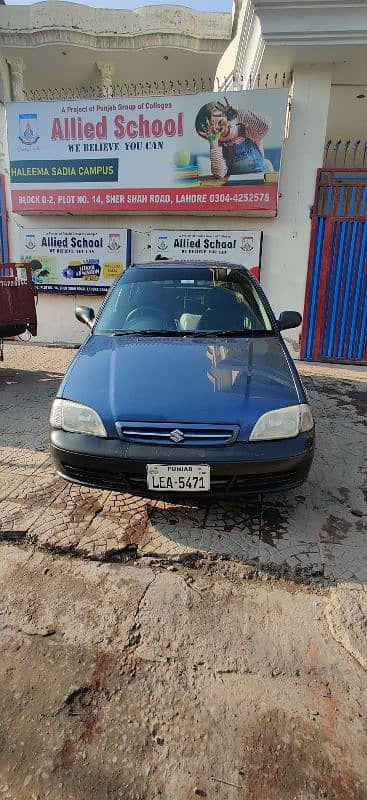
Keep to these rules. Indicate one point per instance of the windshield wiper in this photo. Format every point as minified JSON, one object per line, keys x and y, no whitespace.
{"x":148,"y":333}
{"x":195,"y":334}
{"x":238,"y":334}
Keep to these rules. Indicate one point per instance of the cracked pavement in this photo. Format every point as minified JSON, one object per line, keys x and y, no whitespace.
{"x":153,"y":651}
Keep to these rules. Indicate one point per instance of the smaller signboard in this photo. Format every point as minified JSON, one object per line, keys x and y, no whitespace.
{"x":234,"y":247}
{"x":75,"y":261}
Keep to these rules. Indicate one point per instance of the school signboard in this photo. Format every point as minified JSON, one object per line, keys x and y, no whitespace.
{"x":230,"y":247}
{"x":75,"y":261}
{"x":209,"y":153}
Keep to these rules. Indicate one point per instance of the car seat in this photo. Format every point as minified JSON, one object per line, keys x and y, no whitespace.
{"x":223,"y":313}
{"x":230,"y":318}
{"x":191,"y":315}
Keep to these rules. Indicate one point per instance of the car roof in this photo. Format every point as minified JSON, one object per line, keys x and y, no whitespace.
{"x":192,"y":263}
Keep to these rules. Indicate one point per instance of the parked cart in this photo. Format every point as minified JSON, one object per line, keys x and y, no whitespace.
{"x":17,"y":302}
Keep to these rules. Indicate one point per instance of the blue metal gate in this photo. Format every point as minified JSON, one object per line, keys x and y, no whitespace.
{"x":335,"y":314}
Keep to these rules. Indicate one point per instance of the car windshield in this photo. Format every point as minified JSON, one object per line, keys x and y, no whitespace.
{"x":179,"y":301}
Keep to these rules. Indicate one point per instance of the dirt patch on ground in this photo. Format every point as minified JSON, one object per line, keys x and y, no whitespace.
{"x":287,"y":758}
{"x":358,"y":399}
{"x":127,"y":682}
{"x":337,"y":528}
{"x":346,"y":395}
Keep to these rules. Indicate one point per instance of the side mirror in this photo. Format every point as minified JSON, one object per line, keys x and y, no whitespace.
{"x":289,"y":319}
{"x":85,"y":315}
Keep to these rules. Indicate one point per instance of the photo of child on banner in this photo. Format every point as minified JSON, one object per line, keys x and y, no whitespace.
{"x":235,"y":139}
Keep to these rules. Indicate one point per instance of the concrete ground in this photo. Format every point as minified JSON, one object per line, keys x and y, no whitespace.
{"x":152,"y":650}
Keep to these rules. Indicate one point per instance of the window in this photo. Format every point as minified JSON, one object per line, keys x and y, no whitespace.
{"x":184,"y":300}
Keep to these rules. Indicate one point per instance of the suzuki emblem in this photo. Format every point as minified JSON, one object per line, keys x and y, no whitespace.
{"x":176,"y":436}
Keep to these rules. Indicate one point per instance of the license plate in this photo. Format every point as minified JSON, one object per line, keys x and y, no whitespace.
{"x":178,"y":478}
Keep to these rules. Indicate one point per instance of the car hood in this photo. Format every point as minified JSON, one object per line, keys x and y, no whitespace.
{"x":182,"y":380}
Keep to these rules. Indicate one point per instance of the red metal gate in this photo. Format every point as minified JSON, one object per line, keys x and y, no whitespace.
{"x":17,"y":301}
{"x":335,"y":313}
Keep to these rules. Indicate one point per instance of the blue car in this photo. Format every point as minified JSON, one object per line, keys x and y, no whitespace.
{"x":184,"y":385}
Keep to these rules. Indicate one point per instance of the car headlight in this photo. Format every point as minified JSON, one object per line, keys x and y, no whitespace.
{"x":283,"y":423}
{"x":76,"y":418}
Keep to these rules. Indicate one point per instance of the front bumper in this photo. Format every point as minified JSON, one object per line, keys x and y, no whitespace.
{"x":236,"y":469}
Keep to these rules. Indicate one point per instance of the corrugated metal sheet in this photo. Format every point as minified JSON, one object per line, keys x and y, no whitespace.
{"x":335,"y":317}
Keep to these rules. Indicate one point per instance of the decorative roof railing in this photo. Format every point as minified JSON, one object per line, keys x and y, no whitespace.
{"x":161,"y":87}
{"x":349,"y":153}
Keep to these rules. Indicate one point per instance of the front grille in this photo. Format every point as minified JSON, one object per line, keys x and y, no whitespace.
{"x":252,"y":483}
{"x":220,"y":485}
{"x":102,"y":478}
{"x":192,"y":435}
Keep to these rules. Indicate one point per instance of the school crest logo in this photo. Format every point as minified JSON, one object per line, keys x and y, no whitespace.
{"x":28,"y":129}
{"x":30,"y":241}
{"x":247,"y":244}
{"x":162,"y":243}
{"x":114,"y":242}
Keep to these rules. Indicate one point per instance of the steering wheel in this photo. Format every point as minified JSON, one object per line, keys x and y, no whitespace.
{"x":147,"y":317}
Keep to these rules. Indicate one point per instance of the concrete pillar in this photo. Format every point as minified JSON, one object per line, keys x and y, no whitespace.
{"x":106,"y":74}
{"x":286,"y":244}
{"x":4,"y":96}
{"x":4,"y":159}
{"x":17,"y":70}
